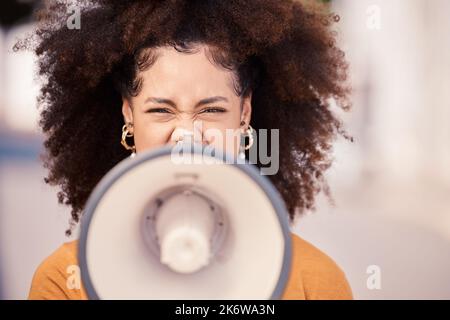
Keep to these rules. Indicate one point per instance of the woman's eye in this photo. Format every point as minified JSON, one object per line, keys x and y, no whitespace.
{"x":158,"y":110}
{"x":212,"y":110}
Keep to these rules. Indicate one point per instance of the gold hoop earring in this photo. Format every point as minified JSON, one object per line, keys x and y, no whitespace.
{"x":243,"y":146}
{"x":126,"y":134}
{"x":249,"y":134}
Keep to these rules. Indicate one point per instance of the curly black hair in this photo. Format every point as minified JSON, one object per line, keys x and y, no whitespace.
{"x":283,"y":51}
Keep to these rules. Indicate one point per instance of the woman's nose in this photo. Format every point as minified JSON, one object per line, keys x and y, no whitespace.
{"x":184,"y":134}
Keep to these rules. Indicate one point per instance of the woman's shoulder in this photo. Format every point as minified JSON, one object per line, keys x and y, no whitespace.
{"x":58,"y":275}
{"x":316,"y":273}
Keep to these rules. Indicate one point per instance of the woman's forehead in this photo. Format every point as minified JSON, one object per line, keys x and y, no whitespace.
{"x":192,"y":72}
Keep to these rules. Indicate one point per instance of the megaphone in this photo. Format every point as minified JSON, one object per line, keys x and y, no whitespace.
{"x":163,"y":225}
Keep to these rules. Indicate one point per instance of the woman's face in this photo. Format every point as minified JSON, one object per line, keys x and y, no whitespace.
{"x":186,"y":91}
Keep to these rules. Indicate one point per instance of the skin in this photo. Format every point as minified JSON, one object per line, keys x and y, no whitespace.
{"x":186,"y":80}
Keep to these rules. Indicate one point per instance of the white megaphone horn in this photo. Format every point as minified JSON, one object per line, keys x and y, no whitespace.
{"x":154,"y":228}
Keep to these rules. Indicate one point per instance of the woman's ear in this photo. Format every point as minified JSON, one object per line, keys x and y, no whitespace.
{"x":246,"y":112}
{"x":127,"y":111}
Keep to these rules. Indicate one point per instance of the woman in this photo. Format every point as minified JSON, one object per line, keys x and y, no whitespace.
{"x":139,"y":74}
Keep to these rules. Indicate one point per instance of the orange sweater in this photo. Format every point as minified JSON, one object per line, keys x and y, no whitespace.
{"x":314,"y":275}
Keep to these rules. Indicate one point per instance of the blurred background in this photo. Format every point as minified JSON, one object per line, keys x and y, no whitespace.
{"x":391,"y":187}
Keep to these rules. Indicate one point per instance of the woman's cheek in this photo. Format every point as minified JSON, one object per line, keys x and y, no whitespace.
{"x":224,"y":139}
{"x":150,"y":138}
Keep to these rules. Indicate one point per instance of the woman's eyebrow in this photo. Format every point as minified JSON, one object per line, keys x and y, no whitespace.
{"x":173,"y":104}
